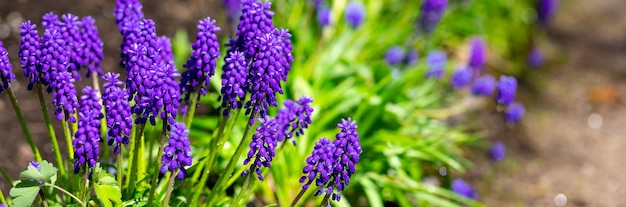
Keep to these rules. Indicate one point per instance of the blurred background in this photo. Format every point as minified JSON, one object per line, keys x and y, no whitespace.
{"x":568,"y":150}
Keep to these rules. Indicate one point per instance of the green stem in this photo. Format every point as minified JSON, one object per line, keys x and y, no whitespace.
{"x":68,"y":137}
{"x":170,"y":187}
{"x":43,"y":199}
{"x":325,"y":202}
{"x":155,"y":175}
{"x":133,"y":137}
{"x":119,"y":169}
{"x":192,"y":111}
{"x":53,"y":137}
{"x":3,"y":200}
{"x":244,"y":188}
{"x":20,"y":117}
{"x":219,"y":187}
{"x":68,"y":193}
{"x":295,"y":200}
{"x":135,"y":153}
{"x":103,"y":122}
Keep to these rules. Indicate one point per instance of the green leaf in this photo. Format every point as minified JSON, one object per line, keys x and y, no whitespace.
{"x":107,"y":190}
{"x":46,"y":174}
{"x":24,"y":192}
{"x":372,"y":193}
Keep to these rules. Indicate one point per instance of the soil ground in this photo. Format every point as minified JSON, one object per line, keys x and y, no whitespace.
{"x":573,"y":139}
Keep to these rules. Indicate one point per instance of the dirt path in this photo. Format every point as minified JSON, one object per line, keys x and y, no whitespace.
{"x":573,"y":139}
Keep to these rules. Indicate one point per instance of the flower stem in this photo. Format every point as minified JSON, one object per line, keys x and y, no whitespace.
{"x":219,"y":187}
{"x":155,"y":176}
{"x":119,"y":169}
{"x":192,"y":110}
{"x":295,"y":200}
{"x":135,"y":153}
{"x":68,"y":137}
{"x":43,"y":199}
{"x":103,"y":122}
{"x":170,"y":187}
{"x":244,"y":188}
{"x":2,"y":198}
{"x":64,"y":191}
{"x":325,"y":202}
{"x":53,"y":137}
{"x":20,"y":117}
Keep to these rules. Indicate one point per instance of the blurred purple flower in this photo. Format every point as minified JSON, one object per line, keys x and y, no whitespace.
{"x":478,"y":54}
{"x":394,"y":55}
{"x":535,"y":58}
{"x":464,"y":189}
{"x":6,"y":69}
{"x":497,"y":151}
{"x":483,"y":86}
{"x":177,"y":153}
{"x":514,"y":113}
{"x":355,"y":14}
{"x":545,"y":10}
{"x":507,"y":87}
{"x":461,"y":77}
{"x":233,"y":10}
{"x":87,"y":138}
{"x":323,"y":16}
{"x":436,"y":64}
{"x":431,"y":13}
{"x":411,"y":57}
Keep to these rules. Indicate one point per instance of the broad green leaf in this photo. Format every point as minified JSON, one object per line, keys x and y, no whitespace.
{"x":24,"y":192}
{"x":372,"y":192}
{"x":46,"y":174}
{"x":107,"y":190}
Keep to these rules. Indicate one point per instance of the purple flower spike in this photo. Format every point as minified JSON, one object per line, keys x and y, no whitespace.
{"x":166,"y":54}
{"x":546,"y":9}
{"x":411,"y":57}
{"x":497,"y":151}
{"x":355,"y":14}
{"x":431,"y":13}
{"x":255,"y":23}
{"x":201,"y":63}
{"x":507,"y":86}
{"x":483,"y":86}
{"x":177,"y":153}
{"x":349,"y":149}
{"x":6,"y":69}
{"x":535,"y":58}
{"x":50,"y":20}
{"x":54,"y":58}
{"x":74,"y":43}
{"x":126,"y":12}
{"x":262,"y":147}
{"x":323,"y":16}
{"x":117,"y":108}
{"x":394,"y":55}
{"x":87,"y":138}
{"x":92,"y":51}
{"x":294,"y":117}
{"x":65,"y":99}
{"x":233,"y":82}
{"x":436,"y":64}
{"x":464,"y":189}
{"x":319,"y":165}
{"x":461,"y":77}
{"x":514,"y":113}
{"x":30,"y":52}
{"x":478,"y":54}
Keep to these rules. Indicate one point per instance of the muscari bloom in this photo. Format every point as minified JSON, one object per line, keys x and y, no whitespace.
{"x":294,"y":118}
{"x":37,"y":166}
{"x":87,"y":137}
{"x":431,"y":13}
{"x":30,"y":52}
{"x":497,"y":151}
{"x":65,"y":99}
{"x":54,"y":58}
{"x":6,"y":73}
{"x":262,"y":147}
{"x":201,"y":63}
{"x":74,"y":43}
{"x":394,"y":55}
{"x":461,"y":77}
{"x":177,"y":153}
{"x":166,"y":53}
{"x":478,"y":54}
{"x":332,"y":164}
{"x":545,"y":10}
{"x":436,"y":62}
{"x":355,"y":14}
{"x":233,"y":81}
{"x":411,"y":57}
{"x":92,"y":53}
{"x":126,"y":12}
{"x":118,"y":113}
{"x":50,"y":20}
{"x":464,"y":189}
{"x":323,"y":16}
{"x":254,"y":24}
{"x":514,"y":112}
{"x":483,"y":86}
{"x":233,"y":9}
{"x":507,"y":86}
{"x":535,"y":58}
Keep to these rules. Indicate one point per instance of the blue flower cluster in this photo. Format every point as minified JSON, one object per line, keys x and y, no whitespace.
{"x":431,"y":13}
{"x":88,"y":136}
{"x":117,"y":108}
{"x":6,"y":73}
{"x":177,"y":153}
{"x":464,"y":189}
{"x":201,"y":63}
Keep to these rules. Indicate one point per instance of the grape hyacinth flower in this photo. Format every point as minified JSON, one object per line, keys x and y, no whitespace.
{"x":478,"y":54}
{"x":87,"y":137}
{"x":507,"y":86}
{"x":355,"y":14}
{"x":54,"y":59}
{"x":436,"y":62}
{"x":65,"y":99}
{"x":92,"y":53}
{"x":50,"y":20}
{"x":514,"y":113}
{"x":233,"y":90}
{"x":177,"y":153}
{"x":411,"y":57}
{"x":464,"y":189}
{"x":294,"y":118}
{"x":348,"y":149}
{"x":233,"y":10}
{"x":37,"y":166}
{"x":262,"y":147}
{"x":461,"y":77}
{"x":483,"y":86}
{"x":545,"y":11}
{"x":323,"y":16}
{"x":126,"y":12}
{"x":394,"y":55}
{"x":255,"y":23}
{"x":74,"y":43}
{"x":6,"y":73}
{"x":497,"y":151}
{"x":431,"y":13}
{"x":117,"y":108}
{"x":30,"y":52}
{"x":535,"y":58}
{"x":319,"y":165}
{"x":166,"y":54}
{"x":201,"y":63}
